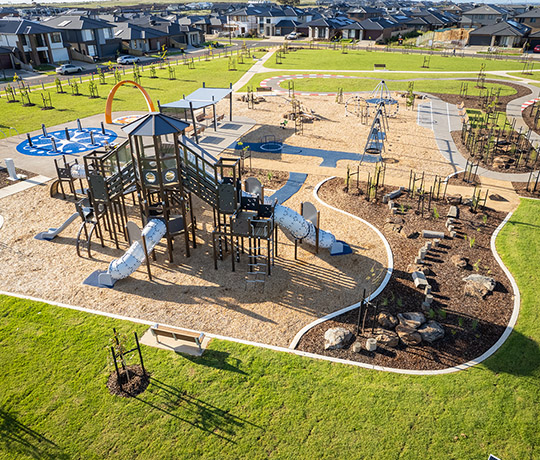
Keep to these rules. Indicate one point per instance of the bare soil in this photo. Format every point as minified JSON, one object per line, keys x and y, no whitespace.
{"x":4,"y":176}
{"x":521,"y":189}
{"x":133,"y":379}
{"x":471,"y":325}
{"x":459,"y":179}
{"x":529,"y":120}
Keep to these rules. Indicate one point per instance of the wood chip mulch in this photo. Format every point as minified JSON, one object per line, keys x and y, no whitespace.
{"x":471,"y":325}
{"x":272,"y":179}
{"x":459,"y":179}
{"x":521,"y":189}
{"x":505,"y":167}
{"x":529,"y":120}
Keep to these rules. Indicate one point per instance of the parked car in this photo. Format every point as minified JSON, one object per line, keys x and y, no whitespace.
{"x":293,"y":36}
{"x":536,"y":49}
{"x":128,"y":60}
{"x":68,"y":68}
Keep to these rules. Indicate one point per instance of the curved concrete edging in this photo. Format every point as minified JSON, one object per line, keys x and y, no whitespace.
{"x":374,"y":294}
{"x":455,"y":173}
{"x":1,"y":222}
{"x":449,"y":370}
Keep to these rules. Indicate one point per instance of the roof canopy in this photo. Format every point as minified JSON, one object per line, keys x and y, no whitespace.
{"x":155,"y":124}
{"x":200,"y":98}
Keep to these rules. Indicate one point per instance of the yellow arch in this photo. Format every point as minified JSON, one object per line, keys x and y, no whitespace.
{"x":108,"y":107}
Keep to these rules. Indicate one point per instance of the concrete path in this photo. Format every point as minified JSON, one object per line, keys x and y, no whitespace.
{"x":255,"y":69}
{"x":446,"y":119}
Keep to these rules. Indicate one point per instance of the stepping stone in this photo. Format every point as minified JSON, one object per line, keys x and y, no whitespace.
{"x":453,"y":212}
{"x":432,"y":234}
{"x":419,"y":279}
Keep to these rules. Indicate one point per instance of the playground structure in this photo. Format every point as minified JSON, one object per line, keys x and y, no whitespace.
{"x":157,"y":170}
{"x":67,"y":141}
{"x":377,"y":133}
{"x":381,"y":94}
{"x":358,"y":106}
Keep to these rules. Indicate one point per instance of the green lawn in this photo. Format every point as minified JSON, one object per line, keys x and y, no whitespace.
{"x":372,"y":78}
{"x":69,"y":107}
{"x":362,"y":60}
{"x":242,"y":402}
{"x":534,"y":76}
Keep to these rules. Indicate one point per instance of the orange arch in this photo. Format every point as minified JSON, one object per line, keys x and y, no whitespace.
{"x":108,"y":107}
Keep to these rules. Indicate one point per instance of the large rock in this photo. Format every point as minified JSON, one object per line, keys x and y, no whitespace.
{"x":411,"y":268}
{"x":408,"y":335}
{"x":459,"y":261}
{"x":387,"y":320}
{"x":478,"y":285}
{"x":454,"y":200}
{"x":431,"y":331}
{"x":387,"y":338}
{"x":337,"y":337}
{"x":412,"y":319}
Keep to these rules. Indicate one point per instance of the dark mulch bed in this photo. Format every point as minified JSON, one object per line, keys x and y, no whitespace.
{"x":529,"y":120}
{"x":472,"y":326}
{"x":138,"y":382}
{"x":521,"y":189}
{"x":507,"y":166}
{"x":4,"y":176}
{"x":269,"y":178}
{"x":472,"y":180}
{"x":475,"y":102}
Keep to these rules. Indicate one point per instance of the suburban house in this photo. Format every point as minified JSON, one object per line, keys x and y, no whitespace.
{"x":508,"y":34}
{"x":264,"y":20}
{"x":484,"y":15}
{"x":137,"y":39}
{"x":364,"y":12}
{"x":328,"y":28}
{"x":33,"y":44}
{"x":530,"y":18}
{"x":175,"y":34}
{"x":88,"y":37}
{"x":381,"y":29}
{"x":210,"y":24}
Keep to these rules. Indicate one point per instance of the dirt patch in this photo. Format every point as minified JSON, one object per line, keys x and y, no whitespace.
{"x":272,"y":179}
{"x":529,"y":120}
{"x":521,"y":189}
{"x":475,"y":102}
{"x":4,"y":176}
{"x":471,"y":325}
{"x":133,"y":379}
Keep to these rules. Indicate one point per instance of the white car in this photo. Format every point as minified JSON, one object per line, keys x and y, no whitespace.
{"x":293,"y":36}
{"x":128,"y":60}
{"x":68,"y":68}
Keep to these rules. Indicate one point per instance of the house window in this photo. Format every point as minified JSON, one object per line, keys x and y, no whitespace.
{"x":533,"y":19}
{"x":87,"y":35}
{"x":56,"y":37}
{"x":92,"y":50}
{"x":108,"y":33}
{"x":268,"y":21}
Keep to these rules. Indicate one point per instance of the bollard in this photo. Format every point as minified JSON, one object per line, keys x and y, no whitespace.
{"x":102,"y":128}
{"x":92,"y":138}
{"x":53,"y":142}
{"x":29,"y":140}
{"x":79,"y":126}
{"x":10,"y":165}
{"x":44,"y":130}
{"x":67,"y":134}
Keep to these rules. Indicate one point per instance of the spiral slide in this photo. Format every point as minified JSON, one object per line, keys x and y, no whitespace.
{"x":132,"y":259}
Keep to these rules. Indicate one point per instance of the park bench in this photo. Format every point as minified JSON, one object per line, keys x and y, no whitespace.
{"x":261,"y":89}
{"x":379,"y":66}
{"x":177,"y":334}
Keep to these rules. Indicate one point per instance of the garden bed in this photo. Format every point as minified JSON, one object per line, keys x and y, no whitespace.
{"x":457,"y":179}
{"x":471,"y":325}
{"x":269,"y":178}
{"x":521,"y":190}
{"x":4,"y":176}
{"x":529,"y":120}
{"x":501,"y":161}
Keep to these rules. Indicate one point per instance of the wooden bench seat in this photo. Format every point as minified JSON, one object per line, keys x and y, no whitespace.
{"x":263,"y":89}
{"x":177,"y":334}
{"x":379,"y":66}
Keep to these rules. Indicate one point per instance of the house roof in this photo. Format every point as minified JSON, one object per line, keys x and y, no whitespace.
{"x":534,"y":13}
{"x":485,"y":9}
{"x":77,"y":23}
{"x":23,"y":27}
{"x":128,"y":31}
{"x":505,"y":29}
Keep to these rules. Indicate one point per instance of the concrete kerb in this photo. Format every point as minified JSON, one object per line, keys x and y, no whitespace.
{"x":23,"y":185}
{"x":389,"y":270}
{"x":467,"y":365}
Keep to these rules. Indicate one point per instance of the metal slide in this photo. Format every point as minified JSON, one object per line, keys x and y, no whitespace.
{"x":54,"y":232}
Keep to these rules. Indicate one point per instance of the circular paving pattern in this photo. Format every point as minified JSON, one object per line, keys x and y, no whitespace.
{"x":77,"y":142}
{"x":275,"y":83}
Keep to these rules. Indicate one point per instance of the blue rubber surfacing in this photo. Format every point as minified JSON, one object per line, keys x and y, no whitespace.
{"x":292,"y":186}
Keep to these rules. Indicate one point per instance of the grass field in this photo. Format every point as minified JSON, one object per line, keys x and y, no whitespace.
{"x":363,"y":60}
{"x":241,"y":402}
{"x":69,"y":107}
{"x":372,"y":78}
{"x":534,"y":76}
